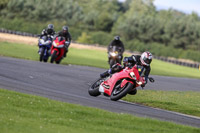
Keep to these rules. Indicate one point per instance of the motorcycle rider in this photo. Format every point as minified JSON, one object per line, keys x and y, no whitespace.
{"x":48,"y":31}
{"x":45,"y":32}
{"x":65,"y":33}
{"x":119,"y":44}
{"x":142,"y":61}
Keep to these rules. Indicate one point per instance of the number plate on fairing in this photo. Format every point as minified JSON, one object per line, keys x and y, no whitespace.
{"x":101,"y":89}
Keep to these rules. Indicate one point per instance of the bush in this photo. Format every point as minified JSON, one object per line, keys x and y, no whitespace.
{"x":75,"y":33}
{"x":190,"y":54}
{"x":85,"y":38}
{"x":101,"y":38}
{"x":21,"y":25}
{"x":161,"y":50}
{"x":135,"y":45}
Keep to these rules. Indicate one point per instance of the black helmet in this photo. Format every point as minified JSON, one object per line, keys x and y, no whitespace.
{"x":146,"y":58}
{"x":50,"y":28}
{"x":117,"y":38}
{"x":65,"y":29}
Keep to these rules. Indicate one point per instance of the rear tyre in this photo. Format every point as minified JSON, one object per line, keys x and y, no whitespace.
{"x":42,"y":54}
{"x":119,"y":92}
{"x":94,"y":88}
{"x":53,"y":56}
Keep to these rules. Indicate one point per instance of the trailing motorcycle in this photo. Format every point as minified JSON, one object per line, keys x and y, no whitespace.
{"x":114,"y":56}
{"x":118,"y":85}
{"x":44,"y":43}
{"x":58,"y":49}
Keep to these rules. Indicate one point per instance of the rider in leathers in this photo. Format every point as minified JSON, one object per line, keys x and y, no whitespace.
{"x":65,"y":33}
{"x":48,"y":31}
{"x":119,"y":44}
{"x":143,"y":64}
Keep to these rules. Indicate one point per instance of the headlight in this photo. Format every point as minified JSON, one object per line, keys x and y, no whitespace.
{"x":132,"y":75}
{"x":42,"y":41}
{"x":54,"y":44}
{"x":139,"y":82}
{"x":113,"y":54}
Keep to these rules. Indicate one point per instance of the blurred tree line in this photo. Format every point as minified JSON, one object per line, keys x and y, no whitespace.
{"x":139,"y":24}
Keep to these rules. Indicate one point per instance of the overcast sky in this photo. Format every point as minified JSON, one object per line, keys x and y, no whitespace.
{"x":186,"y":6}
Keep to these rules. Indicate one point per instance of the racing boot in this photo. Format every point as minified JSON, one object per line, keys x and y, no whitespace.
{"x":105,"y":74}
{"x":65,"y":53}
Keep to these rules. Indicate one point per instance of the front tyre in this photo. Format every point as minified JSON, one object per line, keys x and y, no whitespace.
{"x":53,"y":56}
{"x":94,"y":88}
{"x":41,"y":54}
{"x":119,"y":92}
{"x":58,"y":62}
{"x":45,"y":60}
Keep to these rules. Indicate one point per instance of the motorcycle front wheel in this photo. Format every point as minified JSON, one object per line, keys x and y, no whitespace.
{"x":119,"y":92}
{"x":94,"y":88}
{"x":53,"y":56}
{"x":41,"y":54}
{"x":45,"y":60}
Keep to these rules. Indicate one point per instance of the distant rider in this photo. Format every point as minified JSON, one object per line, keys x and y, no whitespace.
{"x":65,"y":33}
{"x":48,"y":31}
{"x":119,"y":44}
{"x":142,"y":61}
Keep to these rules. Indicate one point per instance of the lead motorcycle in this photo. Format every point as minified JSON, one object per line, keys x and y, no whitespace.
{"x":58,"y":49}
{"x":44,"y":43}
{"x":118,"y":85}
{"x":114,"y":56}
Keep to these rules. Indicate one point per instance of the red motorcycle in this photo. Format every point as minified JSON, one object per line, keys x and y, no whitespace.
{"x":119,"y":84}
{"x":57,"y":49}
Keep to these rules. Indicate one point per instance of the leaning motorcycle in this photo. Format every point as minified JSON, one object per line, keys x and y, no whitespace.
{"x":44,"y":43}
{"x":114,"y":56}
{"x":58,"y":49}
{"x":118,"y":85}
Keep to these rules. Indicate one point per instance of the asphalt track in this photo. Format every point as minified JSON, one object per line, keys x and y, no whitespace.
{"x":70,"y":84}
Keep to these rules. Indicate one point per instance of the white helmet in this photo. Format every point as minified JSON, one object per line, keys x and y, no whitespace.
{"x":146,"y":58}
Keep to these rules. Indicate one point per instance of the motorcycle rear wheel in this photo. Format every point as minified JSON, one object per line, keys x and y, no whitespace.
{"x":53,"y":56}
{"x":119,"y":92}
{"x":94,"y":88}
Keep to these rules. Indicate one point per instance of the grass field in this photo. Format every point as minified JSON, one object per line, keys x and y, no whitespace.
{"x":186,"y":102}
{"x":22,"y":113}
{"x":94,"y":58}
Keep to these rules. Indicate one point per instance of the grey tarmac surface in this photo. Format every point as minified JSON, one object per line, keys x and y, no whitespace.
{"x":70,"y":84}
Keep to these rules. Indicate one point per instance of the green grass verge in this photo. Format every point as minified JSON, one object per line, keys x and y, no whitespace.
{"x":22,"y":113}
{"x":94,"y":58}
{"x":186,"y":102}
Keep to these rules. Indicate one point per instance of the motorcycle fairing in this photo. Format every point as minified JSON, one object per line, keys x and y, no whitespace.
{"x":123,"y":75}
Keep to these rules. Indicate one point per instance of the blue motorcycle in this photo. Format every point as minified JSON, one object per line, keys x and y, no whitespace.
{"x":44,"y":44}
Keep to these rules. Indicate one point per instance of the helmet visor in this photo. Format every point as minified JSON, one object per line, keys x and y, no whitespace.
{"x":147,"y":61}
